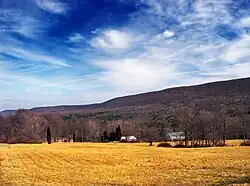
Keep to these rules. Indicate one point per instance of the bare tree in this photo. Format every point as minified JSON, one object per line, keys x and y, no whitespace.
{"x":48,"y":135}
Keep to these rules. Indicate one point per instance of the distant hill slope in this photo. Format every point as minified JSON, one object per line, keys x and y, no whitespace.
{"x":6,"y":113}
{"x":222,"y":92}
{"x":227,"y":90}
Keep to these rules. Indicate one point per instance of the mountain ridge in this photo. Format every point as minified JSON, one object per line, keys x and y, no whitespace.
{"x":148,"y":98}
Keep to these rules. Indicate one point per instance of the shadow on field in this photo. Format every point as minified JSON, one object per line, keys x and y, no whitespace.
{"x":244,"y":181}
{"x":180,"y":145}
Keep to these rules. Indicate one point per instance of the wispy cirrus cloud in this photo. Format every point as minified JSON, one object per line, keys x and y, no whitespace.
{"x":245,"y":22}
{"x":32,"y":56}
{"x":48,"y":90}
{"x":17,"y":21}
{"x":238,"y":50}
{"x":76,"y":38}
{"x":113,"y":39}
{"x":52,"y":6}
{"x":231,"y":71}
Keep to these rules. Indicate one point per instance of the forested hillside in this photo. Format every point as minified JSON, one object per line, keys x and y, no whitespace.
{"x":214,"y":110}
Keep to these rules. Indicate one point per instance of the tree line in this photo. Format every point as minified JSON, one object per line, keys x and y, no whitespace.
{"x":201,"y":126}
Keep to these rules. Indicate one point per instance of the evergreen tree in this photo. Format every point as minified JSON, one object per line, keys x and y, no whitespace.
{"x":48,"y":135}
{"x":112,"y":136}
{"x":74,"y":137}
{"x":105,"y":136}
{"x":118,"y":133}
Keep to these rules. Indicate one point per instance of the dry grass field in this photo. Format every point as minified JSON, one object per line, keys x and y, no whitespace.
{"x":66,"y":164}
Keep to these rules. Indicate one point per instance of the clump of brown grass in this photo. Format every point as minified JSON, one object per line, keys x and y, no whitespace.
{"x":164,"y":145}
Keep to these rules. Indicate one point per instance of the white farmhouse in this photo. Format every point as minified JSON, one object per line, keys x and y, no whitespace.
{"x":176,"y":136}
{"x":128,"y":138}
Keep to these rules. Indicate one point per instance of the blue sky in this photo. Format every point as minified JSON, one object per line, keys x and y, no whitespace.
{"x":55,"y":52}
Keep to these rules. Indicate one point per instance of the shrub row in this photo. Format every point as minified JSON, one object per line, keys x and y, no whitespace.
{"x":246,"y":143}
{"x":183,"y":146}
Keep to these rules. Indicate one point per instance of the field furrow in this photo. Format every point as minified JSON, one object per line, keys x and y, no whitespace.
{"x":122,"y":164}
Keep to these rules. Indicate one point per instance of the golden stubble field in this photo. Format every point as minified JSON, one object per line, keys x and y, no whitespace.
{"x":66,"y":164}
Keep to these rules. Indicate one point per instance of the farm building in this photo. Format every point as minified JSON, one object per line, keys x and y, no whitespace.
{"x":247,"y":142}
{"x":128,"y":138}
{"x":176,"y":136}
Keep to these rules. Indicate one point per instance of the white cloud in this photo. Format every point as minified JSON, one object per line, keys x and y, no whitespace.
{"x":113,"y":39}
{"x":134,"y":74}
{"x":142,"y":74}
{"x":208,"y":13}
{"x":18,"y":22}
{"x":237,"y":50}
{"x":244,"y":22}
{"x":162,"y":65}
{"x":37,"y":91}
{"x":207,"y":9}
{"x":30,"y":27}
{"x":166,"y":34}
{"x":32,"y":56}
{"x":76,"y":37}
{"x":52,"y":6}
{"x":230,"y":72}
